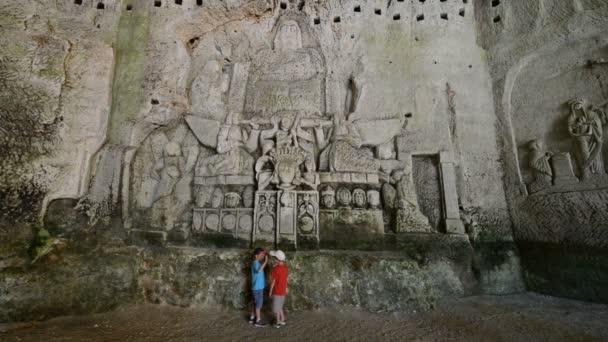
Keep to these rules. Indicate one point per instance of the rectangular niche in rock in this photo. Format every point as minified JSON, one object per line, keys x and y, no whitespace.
{"x":428,"y":188}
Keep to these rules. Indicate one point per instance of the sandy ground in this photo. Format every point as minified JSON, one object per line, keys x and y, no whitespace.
{"x":524,"y":317}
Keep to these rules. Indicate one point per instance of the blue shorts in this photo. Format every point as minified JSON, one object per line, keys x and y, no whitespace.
{"x":258,"y":298}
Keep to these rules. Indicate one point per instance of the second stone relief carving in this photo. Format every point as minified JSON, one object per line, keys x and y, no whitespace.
{"x":583,"y":167}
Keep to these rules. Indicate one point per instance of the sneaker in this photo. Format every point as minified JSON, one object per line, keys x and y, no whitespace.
{"x":284,"y":323}
{"x":260,"y":324}
{"x":251,"y":319}
{"x":278,"y":325}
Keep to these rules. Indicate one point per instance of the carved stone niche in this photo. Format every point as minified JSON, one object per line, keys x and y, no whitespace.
{"x":287,"y":219}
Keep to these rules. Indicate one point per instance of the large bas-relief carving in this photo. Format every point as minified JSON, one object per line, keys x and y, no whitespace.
{"x":259,"y":160}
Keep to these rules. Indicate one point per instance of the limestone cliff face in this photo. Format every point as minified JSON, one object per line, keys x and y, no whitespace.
{"x":119,"y":118}
{"x":117,"y":73}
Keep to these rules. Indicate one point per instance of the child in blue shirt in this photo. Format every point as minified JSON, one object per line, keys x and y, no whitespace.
{"x":258,"y":282}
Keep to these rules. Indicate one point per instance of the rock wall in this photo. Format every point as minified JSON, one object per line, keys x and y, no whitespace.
{"x":161,"y":122}
{"x":77,"y":281}
{"x":548,"y":65}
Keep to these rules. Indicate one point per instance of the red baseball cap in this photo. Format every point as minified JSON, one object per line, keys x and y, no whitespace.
{"x":259,"y":250}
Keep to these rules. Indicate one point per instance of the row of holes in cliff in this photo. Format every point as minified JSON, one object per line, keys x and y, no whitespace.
{"x":283,"y":5}
{"x":337,"y":19}
{"x":129,"y":7}
{"x":397,"y":16}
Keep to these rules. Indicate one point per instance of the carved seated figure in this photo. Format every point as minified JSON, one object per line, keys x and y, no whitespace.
{"x":344,"y":152}
{"x":234,"y":148}
{"x":539,"y":162}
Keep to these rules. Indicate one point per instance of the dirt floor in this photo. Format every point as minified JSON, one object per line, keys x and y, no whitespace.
{"x":525,"y":317}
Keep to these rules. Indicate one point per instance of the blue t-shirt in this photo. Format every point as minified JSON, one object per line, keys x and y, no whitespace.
{"x":258,"y":280}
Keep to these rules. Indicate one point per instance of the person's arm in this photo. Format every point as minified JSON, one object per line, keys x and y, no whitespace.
{"x":271,"y":286}
{"x":261,"y":269}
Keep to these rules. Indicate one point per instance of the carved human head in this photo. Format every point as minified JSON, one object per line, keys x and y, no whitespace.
{"x":328,"y":197}
{"x":172,"y":149}
{"x":217,"y":198}
{"x":359,"y":198}
{"x":288,"y":36}
{"x":343,"y":197}
{"x":536,"y":144}
{"x":217,"y":76}
{"x":576,"y":104}
{"x":248,"y":196}
{"x":386,"y":151}
{"x":397,"y":175}
{"x":373,"y":199}
{"x":232,"y":199}
{"x":285,"y":123}
{"x":203,"y":196}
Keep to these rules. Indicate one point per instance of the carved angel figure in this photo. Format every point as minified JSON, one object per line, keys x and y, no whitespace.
{"x":585,"y":126}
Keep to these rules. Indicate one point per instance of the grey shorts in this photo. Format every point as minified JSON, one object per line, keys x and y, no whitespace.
{"x":277,"y":303}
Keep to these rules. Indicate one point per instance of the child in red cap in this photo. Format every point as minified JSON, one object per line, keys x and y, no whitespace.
{"x":258,"y":282}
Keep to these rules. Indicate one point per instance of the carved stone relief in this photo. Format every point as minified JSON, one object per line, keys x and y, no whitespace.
{"x":585,"y":127}
{"x":266,"y":164}
{"x":556,"y":171}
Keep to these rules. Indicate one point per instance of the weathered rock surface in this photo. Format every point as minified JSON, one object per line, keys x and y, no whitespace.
{"x":73,"y":282}
{"x":436,"y":135}
{"x":541,"y":57}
